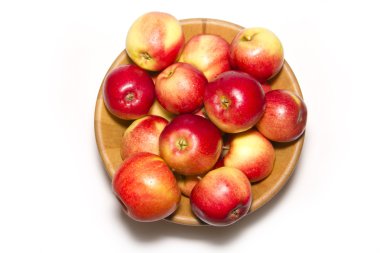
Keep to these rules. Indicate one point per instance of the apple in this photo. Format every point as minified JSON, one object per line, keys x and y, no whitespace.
{"x":190,"y":144}
{"x":187,"y":183}
{"x":234,"y":101}
{"x":128,"y":92}
{"x":155,"y":40}
{"x":147,"y":187}
{"x":158,"y":110}
{"x":142,"y":136}
{"x":258,"y":52}
{"x":180,"y":88}
{"x":285,"y":116}
{"x":266,"y":87}
{"x":201,"y":112}
{"x":222,"y":197}
{"x":208,"y":53}
{"x":251,"y":153}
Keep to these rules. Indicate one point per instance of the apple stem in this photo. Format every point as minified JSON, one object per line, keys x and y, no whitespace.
{"x":129,"y":97}
{"x":146,"y":56}
{"x":226,"y":147}
{"x":171,"y":72}
{"x":225,"y":102}
{"x":248,"y":37}
{"x":182,"y":144}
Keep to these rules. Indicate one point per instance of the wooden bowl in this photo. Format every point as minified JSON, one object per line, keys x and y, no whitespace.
{"x":109,"y":129}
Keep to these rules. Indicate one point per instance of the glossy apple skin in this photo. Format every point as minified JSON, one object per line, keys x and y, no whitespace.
{"x":234,"y":101}
{"x":208,"y":53}
{"x":180,"y":88}
{"x":128,"y":92}
{"x":251,"y":153}
{"x":222,"y":197}
{"x":142,"y":136}
{"x":285,"y":116}
{"x":190,"y":144}
{"x":258,"y":52}
{"x":155,"y":40}
{"x":146,"y":187}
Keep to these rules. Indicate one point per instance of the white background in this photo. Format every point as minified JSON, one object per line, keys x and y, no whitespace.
{"x":55,"y":195}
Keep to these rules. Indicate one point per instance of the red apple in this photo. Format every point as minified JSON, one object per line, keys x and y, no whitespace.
{"x":180,"y":88}
{"x":234,"y":101}
{"x":142,"y":136}
{"x":251,"y":153}
{"x":208,"y":53}
{"x":155,"y":40}
{"x":187,"y":183}
{"x":285,"y":116}
{"x":266,"y":87}
{"x":222,"y":197}
{"x":190,"y":144}
{"x":147,"y":187}
{"x":258,"y":52}
{"x":128,"y":92}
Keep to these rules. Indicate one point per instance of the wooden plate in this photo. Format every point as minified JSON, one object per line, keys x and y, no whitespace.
{"x":109,"y":129}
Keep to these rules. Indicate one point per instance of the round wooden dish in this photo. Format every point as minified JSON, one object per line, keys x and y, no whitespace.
{"x":109,"y":129}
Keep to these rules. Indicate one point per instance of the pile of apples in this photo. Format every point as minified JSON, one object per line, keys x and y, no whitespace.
{"x":203,"y":124}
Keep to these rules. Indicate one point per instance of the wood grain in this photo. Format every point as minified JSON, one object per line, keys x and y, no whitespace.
{"x":109,"y":129}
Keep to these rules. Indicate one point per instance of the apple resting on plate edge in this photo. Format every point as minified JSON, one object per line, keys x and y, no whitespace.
{"x":205,"y":126}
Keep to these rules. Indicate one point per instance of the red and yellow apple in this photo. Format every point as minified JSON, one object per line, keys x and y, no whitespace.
{"x":146,"y":187}
{"x":234,"y":101}
{"x":190,"y":144}
{"x":187,"y":183}
{"x":285,"y":116}
{"x":158,"y":110}
{"x":142,"y":136}
{"x":128,"y":92}
{"x":257,"y":51}
{"x":180,"y":88}
{"x":222,"y":196}
{"x":155,"y":40}
{"x":208,"y":53}
{"x":251,"y":153}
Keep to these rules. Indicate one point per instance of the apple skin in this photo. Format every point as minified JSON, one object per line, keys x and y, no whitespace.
{"x":142,"y":136}
{"x":258,"y":52}
{"x":222,"y":197}
{"x":251,"y":153}
{"x":190,"y":144}
{"x":285,"y":116}
{"x":208,"y":53}
{"x":155,"y":40}
{"x":187,"y":183}
{"x":266,"y":87}
{"x":158,"y":110}
{"x":234,"y":101}
{"x":180,"y":88}
{"x":146,"y":187}
{"x":128,"y":92}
